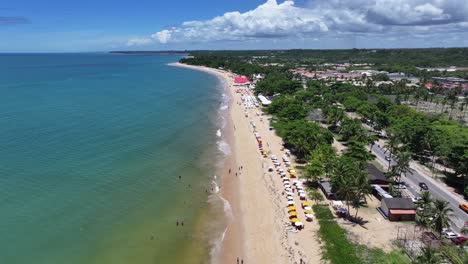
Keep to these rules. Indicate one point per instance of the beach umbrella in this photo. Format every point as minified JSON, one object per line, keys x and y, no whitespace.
{"x":289,"y":197}
{"x":290,"y":202}
{"x":308,"y":211}
{"x":293,"y":213}
{"x":307,"y":208}
{"x":283,"y":173}
{"x":306,"y":203}
{"x":289,"y":193}
{"x":291,"y":208}
{"x":298,"y":224}
{"x":309,"y":215}
{"x":294,"y":220}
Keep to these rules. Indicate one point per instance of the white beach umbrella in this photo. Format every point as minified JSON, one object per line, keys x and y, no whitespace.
{"x":309,"y":216}
{"x":308,"y":208}
{"x":298,"y":224}
{"x":289,"y":193}
{"x":290,"y":202}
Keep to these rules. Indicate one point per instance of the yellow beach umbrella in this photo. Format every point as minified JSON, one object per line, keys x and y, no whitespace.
{"x":291,"y":208}
{"x":292,"y":213}
{"x":308,"y":211}
{"x":294,"y":220}
{"x":306,"y":203}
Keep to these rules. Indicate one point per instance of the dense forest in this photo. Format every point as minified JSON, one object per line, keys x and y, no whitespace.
{"x":434,"y":57}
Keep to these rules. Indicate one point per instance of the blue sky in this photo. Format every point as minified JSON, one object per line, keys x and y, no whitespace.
{"x":101,"y":25}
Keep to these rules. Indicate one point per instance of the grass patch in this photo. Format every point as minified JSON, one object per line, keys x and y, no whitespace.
{"x":338,"y":249}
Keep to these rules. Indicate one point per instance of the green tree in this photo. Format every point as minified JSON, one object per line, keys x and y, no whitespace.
{"x":425,"y":207}
{"x":428,"y":256}
{"x":442,"y":213}
{"x":357,"y":150}
{"x":391,"y":145}
{"x":403,"y":164}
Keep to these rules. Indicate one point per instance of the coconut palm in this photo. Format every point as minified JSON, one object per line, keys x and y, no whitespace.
{"x":428,"y":256}
{"x":442,"y":212}
{"x":391,"y":145}
{"x":425,"y":205}
{"x":402,"y":167}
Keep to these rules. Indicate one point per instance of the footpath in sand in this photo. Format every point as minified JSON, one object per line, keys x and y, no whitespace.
{"x":258,"y":232}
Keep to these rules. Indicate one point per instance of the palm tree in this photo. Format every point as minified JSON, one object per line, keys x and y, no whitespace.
{"x":428,"y":256}
{"x":391,"y":145}
{"x":442,"y":212}
{"x":403,"y":166}
{"x":345,"y":189}
{"x":425,"y":203}
{"x":361,"y":182}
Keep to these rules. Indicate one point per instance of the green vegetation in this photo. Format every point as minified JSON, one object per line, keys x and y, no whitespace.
{"x":435,"y":57}
{"x":335,"y":107}
{"x":338,"y":249}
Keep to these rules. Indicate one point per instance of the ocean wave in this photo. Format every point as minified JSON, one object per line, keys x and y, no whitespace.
{"x":224,"y":147}
{"x":218,"y":133}
{"x":216,"y":243}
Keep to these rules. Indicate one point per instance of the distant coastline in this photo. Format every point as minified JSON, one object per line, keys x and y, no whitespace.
{"x":147,"y":52}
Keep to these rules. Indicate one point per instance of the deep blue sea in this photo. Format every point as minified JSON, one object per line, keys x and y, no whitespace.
{"x":91,"y":150}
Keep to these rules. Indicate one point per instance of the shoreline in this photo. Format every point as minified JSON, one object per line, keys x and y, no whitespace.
{"x":259,"y":231}
{"x":232,"y":237}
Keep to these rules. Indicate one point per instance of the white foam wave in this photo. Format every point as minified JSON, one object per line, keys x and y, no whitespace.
{"x":218,"y":133}
{"x":215,"y":185}
{"x":224,"y":147}
{"x":217,"y":244}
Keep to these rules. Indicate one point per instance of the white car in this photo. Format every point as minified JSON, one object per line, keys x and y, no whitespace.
{"x":450,"y":234}
{"x":400,"y":187}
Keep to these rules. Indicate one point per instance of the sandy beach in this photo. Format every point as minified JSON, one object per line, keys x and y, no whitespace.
{"x":258,"y":231}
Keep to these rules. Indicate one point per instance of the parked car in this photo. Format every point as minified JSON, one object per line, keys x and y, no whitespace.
{"x":458,"y":240}
{"x":450,"y":234}
{"x":423,"y":186}
{"x":464,"y":207}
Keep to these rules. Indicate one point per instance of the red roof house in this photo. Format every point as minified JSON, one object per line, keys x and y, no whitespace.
{"x":241,"y":80}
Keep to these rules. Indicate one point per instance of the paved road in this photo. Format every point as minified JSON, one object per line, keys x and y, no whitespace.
{"x":435,"y":190}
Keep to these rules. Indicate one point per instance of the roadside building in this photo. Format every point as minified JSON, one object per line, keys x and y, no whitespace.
{"x":327,"y":189}
{"x":398,"y":209}
{"x":376,"y":176}
{"x":264,"y":100}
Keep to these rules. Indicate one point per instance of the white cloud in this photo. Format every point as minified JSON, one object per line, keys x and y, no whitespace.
{"x":162,"y":36}
{"x":139,"y":42}
{"x":285,"y":20}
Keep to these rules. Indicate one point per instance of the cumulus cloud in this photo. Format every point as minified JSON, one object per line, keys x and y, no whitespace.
{"x":273,"y":20}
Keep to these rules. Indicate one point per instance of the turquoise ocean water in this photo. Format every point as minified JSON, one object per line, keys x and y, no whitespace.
{"x":91,"y":150}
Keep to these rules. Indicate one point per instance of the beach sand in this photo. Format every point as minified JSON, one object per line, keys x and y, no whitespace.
{"x":257,"y":231}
